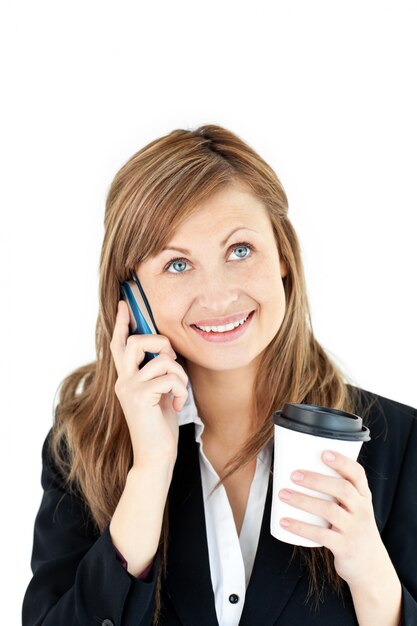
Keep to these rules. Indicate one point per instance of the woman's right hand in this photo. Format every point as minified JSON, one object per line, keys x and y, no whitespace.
{"x":143,"y":393}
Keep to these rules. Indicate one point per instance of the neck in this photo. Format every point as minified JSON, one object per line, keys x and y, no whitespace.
{"x":224,"y":401}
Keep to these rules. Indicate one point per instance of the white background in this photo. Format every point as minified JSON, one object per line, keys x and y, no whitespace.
{"x":324,"y":91}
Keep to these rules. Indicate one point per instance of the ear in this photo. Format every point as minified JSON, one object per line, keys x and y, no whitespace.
{"x":284,"y":268}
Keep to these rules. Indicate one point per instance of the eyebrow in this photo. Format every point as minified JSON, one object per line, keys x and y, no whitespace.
{"x":185,"y":251}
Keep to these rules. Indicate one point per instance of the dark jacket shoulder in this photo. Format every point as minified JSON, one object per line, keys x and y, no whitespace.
{"x":384,"y":414}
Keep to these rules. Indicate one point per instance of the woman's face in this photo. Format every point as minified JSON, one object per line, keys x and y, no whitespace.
{"x":222,"y":262}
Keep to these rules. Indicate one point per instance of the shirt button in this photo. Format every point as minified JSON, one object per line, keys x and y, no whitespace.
{"x":233,"y":598}
{"x":107,"y":622}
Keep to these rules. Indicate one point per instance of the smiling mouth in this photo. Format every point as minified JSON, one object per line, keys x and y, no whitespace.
{"x":213,"y":330}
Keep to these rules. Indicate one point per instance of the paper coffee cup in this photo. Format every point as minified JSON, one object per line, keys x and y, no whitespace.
{"x":301,"y":434}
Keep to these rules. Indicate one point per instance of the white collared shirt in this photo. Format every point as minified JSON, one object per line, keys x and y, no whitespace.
{"x":231,"y":556}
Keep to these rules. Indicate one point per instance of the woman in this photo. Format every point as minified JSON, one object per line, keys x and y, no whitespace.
{"x":157,"y":475}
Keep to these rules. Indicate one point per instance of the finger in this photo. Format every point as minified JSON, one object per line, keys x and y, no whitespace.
{"x":168,"y":384}
{"x":137,"y":345}
{"x":343,"y":490}
{"x":324,"y":536}
{"x":169,"y":401}
{"x":120,"y":334}
{"x":349,"y":469}
{"x":160,"y":365}
{"x":330,"y":510}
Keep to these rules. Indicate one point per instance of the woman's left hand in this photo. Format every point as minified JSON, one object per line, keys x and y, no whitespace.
{"x":353,"y":536}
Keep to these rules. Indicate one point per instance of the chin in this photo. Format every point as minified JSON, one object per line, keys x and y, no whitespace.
{"x":222,"y":363}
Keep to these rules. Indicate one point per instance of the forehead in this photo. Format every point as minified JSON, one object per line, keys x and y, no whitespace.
{"x":234,"y":205}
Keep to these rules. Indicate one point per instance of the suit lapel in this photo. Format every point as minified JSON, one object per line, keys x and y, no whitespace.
{"x":188,"y":584}
{"x":273,"y":579}
{"x":188,"y":581}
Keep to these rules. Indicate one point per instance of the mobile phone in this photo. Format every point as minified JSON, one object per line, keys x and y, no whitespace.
{"x":141,"y":318}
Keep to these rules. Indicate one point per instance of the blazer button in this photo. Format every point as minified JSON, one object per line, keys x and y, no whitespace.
{"x":107,"y":622}
{"x":233,"y":598}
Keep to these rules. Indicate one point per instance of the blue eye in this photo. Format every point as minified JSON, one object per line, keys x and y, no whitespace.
{"x":178,"y":262}
{"x":243,"y":251}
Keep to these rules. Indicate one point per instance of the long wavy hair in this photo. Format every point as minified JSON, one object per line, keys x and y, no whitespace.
{"x":155,"y":191}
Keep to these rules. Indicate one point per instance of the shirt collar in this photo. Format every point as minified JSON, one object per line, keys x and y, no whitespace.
{"x":188,"y":414}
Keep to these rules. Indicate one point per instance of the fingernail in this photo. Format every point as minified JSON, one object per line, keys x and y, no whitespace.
{"x":284,"y":523}
{"x":328,"y":456}
{"x":297,"y":476}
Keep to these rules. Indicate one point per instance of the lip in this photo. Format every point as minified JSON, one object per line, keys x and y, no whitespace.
{"x":229,"y":335}
{"x":222,"y":321}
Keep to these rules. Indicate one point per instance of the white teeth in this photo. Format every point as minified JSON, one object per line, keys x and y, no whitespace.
{"x":222,"y":329}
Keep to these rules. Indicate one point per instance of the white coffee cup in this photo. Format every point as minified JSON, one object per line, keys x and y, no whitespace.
{"x":302,"y":433}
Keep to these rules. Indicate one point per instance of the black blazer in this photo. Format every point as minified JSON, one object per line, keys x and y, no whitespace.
{"x":78,"y":581}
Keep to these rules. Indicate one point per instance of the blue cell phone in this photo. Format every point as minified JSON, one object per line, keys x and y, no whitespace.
{"x":141,"y":317}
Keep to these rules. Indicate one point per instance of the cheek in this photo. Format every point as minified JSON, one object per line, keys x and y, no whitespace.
{"x":267,"y":285}
{"x":168,"y":306}
{"x":270,"y":295}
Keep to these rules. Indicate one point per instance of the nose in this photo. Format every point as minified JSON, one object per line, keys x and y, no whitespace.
{"x":217,"y":293}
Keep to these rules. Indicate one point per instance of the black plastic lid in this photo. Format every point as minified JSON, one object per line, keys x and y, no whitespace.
{"x":321,"y":421}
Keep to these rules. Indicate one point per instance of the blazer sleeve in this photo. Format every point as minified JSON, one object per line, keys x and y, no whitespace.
{"x":77,"y":578}
{"x":400,"y":532}
{"x":125,"y":564}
